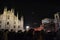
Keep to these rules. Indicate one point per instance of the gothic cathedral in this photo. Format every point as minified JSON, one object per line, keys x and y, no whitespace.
{"x":11,"y":22}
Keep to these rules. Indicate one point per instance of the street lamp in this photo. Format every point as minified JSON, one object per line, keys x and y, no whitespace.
{"x":27,"y":28}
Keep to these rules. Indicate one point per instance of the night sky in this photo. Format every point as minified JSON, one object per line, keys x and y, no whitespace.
{"x":33,"y":12}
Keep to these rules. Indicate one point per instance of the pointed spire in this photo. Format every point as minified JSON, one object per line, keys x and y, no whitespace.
{"x":5,"y":10}
{"x":22,"y":23}
{"x":17,"y":15}
{"x":21,"y":17}
{"x":12,"y":10}
{"x":56,"y":16}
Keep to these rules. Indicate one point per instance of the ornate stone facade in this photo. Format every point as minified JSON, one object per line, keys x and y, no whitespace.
{"x":9,"y":21}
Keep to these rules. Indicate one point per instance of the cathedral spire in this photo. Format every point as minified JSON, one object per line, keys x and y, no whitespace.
{"x":22,"y":23}
{"x":12,"y":10}
{"x":17,"y":15}
{"x":5,"y":10}
{"x":56,"y":16}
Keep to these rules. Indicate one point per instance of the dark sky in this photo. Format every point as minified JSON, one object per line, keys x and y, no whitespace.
{"x":32,"y":11}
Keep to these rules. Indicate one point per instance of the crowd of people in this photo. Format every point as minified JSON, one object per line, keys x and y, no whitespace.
{"x":46,"y":31}
{"x":30,"y":35}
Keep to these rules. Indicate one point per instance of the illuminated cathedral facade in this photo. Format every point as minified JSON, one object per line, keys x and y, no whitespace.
{"x":11,"y":22}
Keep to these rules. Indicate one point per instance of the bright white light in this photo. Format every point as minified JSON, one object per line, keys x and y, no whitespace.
{"x":27,"y":27}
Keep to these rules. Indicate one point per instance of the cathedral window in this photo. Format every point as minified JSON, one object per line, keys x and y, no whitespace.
{"x":7,"y":23}
{"x":0,"y":21}
{"x":14,"y":26}
{"x":0,"y":26}
{"x":18,"y":26}
{"x":8,"y":17}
